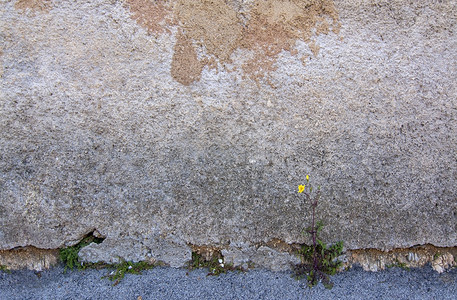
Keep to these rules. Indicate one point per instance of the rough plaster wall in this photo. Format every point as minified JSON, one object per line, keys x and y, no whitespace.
{"x":164,"y":124}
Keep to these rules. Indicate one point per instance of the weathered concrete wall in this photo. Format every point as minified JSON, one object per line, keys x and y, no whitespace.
{"x":163,"y":125}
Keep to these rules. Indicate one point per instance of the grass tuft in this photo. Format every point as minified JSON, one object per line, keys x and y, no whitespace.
{"x":127,"y":267}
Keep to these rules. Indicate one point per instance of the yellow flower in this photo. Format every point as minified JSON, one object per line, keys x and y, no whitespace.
{"x":307,"y":177}
{"x":301,"y":188}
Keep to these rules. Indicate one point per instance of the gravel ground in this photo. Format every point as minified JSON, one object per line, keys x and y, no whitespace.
{"x":168,"y":283}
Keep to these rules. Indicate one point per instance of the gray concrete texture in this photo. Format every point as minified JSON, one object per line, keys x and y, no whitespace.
{"x":167,"y":125}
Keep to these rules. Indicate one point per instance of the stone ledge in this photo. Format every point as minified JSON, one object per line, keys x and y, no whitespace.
{"x":268,"y":255}
{"x":29,"y":258}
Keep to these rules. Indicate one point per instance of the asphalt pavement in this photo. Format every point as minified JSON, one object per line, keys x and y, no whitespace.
{"x":169,"y":283}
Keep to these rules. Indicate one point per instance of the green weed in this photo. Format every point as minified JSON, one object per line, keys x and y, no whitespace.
{"x":4,"y":269}
{"x":318,"y":261}
{"x":70,"y":255}
{"x":127,"y":267}
{"x":215,"y":264}
{"x":398,"y":264}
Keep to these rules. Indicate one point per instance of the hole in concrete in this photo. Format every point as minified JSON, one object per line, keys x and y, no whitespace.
{"x":94,"y":236}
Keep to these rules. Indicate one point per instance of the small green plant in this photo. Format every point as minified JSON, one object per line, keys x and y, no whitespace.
{"x":129,"y":267}
{"x":319,"y":261}
{"x":4,"y":269}
{"x":70,"y":255}
{"x":398,"y":264}
{"x":215,"y":264}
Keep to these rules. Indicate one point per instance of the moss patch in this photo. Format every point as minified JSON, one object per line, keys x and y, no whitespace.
{"x":127,"y":267}
{"x":4,"y":269}
{"x":70,"y":255}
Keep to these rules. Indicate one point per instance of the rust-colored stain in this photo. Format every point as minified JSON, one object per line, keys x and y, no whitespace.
{"x":276,"y":25}
{"x":185,"y":66}
{"x":212,"y":23}
{"x":152,"y":15}
{"x":267,"y":28}
{"x":36,"y":5}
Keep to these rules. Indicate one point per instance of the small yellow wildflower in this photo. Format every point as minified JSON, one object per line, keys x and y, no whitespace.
{"x":307,"y":177}
{"x":301,"y":188}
